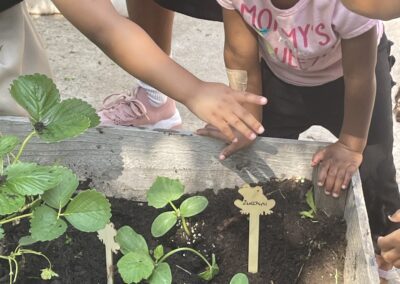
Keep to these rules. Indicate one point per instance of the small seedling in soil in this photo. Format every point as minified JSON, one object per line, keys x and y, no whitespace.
{"x":239,"y":278}
{"x":138,"y":263}
{"x":45,"y":194}
{"x":163,"y":192}
{"x":311,"y":214}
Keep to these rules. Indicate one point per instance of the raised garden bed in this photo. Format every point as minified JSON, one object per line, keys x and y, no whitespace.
{"x":123,"y":163}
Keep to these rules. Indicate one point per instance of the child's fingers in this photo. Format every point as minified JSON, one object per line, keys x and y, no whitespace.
{"x":318,"y":157}
{"x":225,"y":129}
{"x":235,"y":122}
{"x":322,"y":174}
{"x":386,"y":243}
{"x":391,"y":255}
{"x":347,"y":179}
{"x":228,"y":150}
{"x":338,"y":182}
{"x":395,"y":218}
{"x":330,"y":178}
{"x":250,"y":121}
{"x":213,"y":133}
{"x":245,"y":97}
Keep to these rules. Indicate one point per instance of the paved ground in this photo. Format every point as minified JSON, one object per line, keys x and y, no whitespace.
{"x":82,"y":70}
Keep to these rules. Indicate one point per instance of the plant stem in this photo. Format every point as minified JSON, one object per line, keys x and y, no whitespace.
{"x":173,"y":207}
{"x":29,"y":137}
{"x":185,"y":249}
{"x":28,"y":251}
{"x":185,"y":227}
{"x":4,"y":221}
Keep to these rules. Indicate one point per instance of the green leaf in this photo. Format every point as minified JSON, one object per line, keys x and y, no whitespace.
{"x":8,"y":144}
{"x":59,"y":196}
{"x":10,"y":201}
{"x":26,"y":241}
{"x":31,"y":179}
{"x":161,"y":274}
{"x":163,"y":191}
{"x":193,"y":206}
{"x":158,"y":252}
{"x":2,"y":234}
{"x":63,"y":122}
{"x":130,"y":241}
{"x":89,"y":211}
{"x":210,"y":272}
{"x":83,"y":108}
{"x":45,"y":224}
{"x":310,"y":201}
{"x":239,"y":278}
{"x":163,"y":223}
{"x":37,"y":94}
{"x":134,"y":267}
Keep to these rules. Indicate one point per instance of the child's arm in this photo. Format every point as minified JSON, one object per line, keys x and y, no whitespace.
{"x":340,"y":160}
{"x":130,"y":47}
{"x":241,"y":54}
{"x":376,"y":9}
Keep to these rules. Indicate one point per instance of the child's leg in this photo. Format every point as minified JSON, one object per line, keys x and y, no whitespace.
{"x":156,"y":110}
{"x":22,"y":52}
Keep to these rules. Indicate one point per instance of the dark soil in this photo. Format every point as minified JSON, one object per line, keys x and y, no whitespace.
{"x":292,"y":249}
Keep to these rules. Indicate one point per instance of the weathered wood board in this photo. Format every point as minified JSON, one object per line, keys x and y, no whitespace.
{"x":123,"y":162}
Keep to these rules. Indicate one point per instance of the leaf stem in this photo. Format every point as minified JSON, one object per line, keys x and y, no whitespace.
{"x":185,"y":249}
{"x":4,"y":221}
{"x":184,"y":225}
{"x":29,"y":137}
{"x":173,"y":207}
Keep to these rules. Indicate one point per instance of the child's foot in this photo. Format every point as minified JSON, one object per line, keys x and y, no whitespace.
{"x":135,"y":109}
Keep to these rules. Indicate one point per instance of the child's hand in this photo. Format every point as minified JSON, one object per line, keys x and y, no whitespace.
{"x":219,"y":105}
{"x":233,"y":146}
{"x":390,"y":244}
{"x":338,"y":163}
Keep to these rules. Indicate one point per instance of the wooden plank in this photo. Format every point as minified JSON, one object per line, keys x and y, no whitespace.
{"x":124,"y":162}
{"x":360,"y":264}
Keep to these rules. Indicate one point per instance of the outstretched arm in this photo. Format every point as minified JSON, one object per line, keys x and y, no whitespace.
{"x":375,"y":9}
{"x":132,"y":49}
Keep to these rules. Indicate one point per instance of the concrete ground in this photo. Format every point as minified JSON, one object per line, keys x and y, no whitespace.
{"x":82,"y":70}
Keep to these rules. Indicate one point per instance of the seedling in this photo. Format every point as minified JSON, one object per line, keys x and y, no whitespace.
{"x":239,"y":278}
{"x":43,"y":194}
{"x":138,"y":263}
{"x":311,"y":203}
{"x":163,"y":192}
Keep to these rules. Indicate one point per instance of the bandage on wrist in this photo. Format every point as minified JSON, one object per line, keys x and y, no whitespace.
{"x":237,"y":79}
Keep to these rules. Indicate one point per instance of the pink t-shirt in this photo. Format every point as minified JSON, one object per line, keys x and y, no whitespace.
{"x":301,"y":45}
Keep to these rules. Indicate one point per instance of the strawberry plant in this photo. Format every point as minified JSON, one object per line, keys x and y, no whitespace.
{"x":138,"y":263}
{"x":45,"y":194}
{"x":162,"y":193}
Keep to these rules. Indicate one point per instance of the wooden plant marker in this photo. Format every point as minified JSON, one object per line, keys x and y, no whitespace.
{"x":254,"y":204}
{"x":107,"y":235}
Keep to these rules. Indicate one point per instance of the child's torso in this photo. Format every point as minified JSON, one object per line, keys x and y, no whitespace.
{"x":300,"y":39}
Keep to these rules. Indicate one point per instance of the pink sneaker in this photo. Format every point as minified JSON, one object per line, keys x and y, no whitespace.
{"x":134,"y":109}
